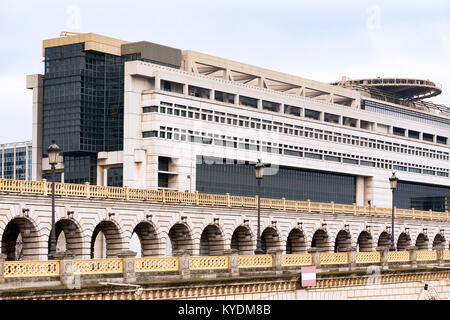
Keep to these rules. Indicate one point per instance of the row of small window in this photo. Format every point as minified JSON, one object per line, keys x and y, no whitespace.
{"x":404,"y":113}
{"x":288,"y":109}
{"x":243,"y":121}
{"x":247,"y":144}
{"x":416,"y":135}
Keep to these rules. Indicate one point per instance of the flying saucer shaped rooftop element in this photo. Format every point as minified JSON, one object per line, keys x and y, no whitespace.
{"x":413,"y":89}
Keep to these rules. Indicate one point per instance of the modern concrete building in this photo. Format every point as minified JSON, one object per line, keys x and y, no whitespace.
{"x":145,"y":115}
{"x":15,"y":160}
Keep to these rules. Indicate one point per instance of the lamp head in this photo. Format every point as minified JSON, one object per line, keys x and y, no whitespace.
{"x":393,"y":181}
{"x":53,"y":153}
{"x":259,"y":169}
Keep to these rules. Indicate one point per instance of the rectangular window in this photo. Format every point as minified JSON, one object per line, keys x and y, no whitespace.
{"x":332,"y":158}
{"x":313,"y":155}
{"x":348,"y":160}
{"x":442,"y":140}
{"x":150,"y":109}
{"x":312,"y":114}
{"x":294,"y":111}
{"x":224,"y":97}
{"x":149,"y":134}
{"x":351,"y":122}
{"x":199,"y":92}
{"x":398,"y":131}
{"x":271,"y":106}
{"x":332,"y":118}
{"x":428,"y":137}
{"x":292,"y":153}
{"x":172,"y":86}
{"x":399,"y":168}
{"x":248,"y":102}
{"x":367,"y":163}
{"x":413,"y":134}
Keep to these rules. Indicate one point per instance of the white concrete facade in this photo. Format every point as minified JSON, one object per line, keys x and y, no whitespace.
{"x":140,"y":155}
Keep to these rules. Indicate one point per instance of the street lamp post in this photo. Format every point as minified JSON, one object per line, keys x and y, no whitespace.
{"x":393,"y":184}
{"x":259,"y":173}
{"x":53,"y":155}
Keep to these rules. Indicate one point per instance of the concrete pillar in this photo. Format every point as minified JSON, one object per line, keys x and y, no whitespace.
{"x":359,"y":191}
{"x":233,"y":262}
{"x":440,"y":255}
{"x":384,"y":257}
{"x":413,"y":256}
{"x":67,"y":277}
{"x":351,"y":258}
{"x":315,"y":257}
{"x":183,"y":263}
{"x":128,"y":261}
{"x":2,"y":267}
{"x":276,"y":259}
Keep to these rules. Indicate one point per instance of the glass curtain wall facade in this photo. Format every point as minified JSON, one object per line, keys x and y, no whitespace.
{"x":83,"y":107}
{"x":422,"y":196}
{"x":222,"y":176}
{"x":15,"y":161}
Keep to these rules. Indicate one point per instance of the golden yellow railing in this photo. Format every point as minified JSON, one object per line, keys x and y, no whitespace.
{"x":257,"y":261}
{"x":301,"y":259}
{"x":208,"y":263}
{"x":399,"y":256}
{"x":426,"y":255}
{"x":97,"y":266}
{"x":156,"y":264}
{"x":446,"y":255}
{"x":368,"y":257}
{"x":166,"y":196}
{"x":334,"y":258}
{"x":30,"y":269}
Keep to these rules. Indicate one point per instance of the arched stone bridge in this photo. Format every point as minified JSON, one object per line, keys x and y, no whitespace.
{"x":100,"y":222}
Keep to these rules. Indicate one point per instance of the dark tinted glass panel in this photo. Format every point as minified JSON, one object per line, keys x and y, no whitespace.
{"x":271,"y":106}
{"x":333,"y":118}
{"x":413,"y":134}
{"x":312,"y":114}
{"x":422,"y":196}
{"x":199,"y":92}
{"x":249,"y":102}
{"x":295,"y":111}
{"x":222,"y":176}
{"x":115,"y":177}
{"x":48,"y":176}
{"x":224,"y":96}
{"x":442,"y":140}
{"x":80,"y":169}
{"x":399,"y":131}
{"x":428,"y":137}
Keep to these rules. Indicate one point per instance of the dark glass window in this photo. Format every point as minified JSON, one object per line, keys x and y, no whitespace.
{"x":271,"y":106}
{"x":413,"y":134}
{"x":428,"y":137}
{"x":248,"y":102}
{"x":399,"y":131}
{"x":48,"y":176}
{"x":199,"y":92}
{"x":115,"y":177}
{"x":312,"y":114}
{"x":224,"y":96}
{"x":295,"y":111}
{"x":150,"y":109}
{"x":440,"y":139}
{"x":351,"y":122}
{"x":222,"y":176}
{"x":422,"y":196}
{"x":332,"y":118}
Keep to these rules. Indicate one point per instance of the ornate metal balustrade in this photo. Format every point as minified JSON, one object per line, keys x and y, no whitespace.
{"x":97,"y":266}
{"x":16,"y":269}
{"x":156,"y":264}
{"x":90,"y":191}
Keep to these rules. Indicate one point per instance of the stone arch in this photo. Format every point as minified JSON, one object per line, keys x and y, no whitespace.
{"x":211,"y":241}
{"x":438,"y":241}
{"x":242,"y":240}
{"x":320,"y":240}
{"x":270,"y":239}
{"x":19,"y":238}
{"x":148,"y":239}
{"x":296,"y":242}
{"x":365,"y":241}
{"x":384,"y":240}
{"x":180,"y":237}
{"x":422,"y":242}
{"x":106,"y":240}
{"x":343,"y":241}
{"x":69,"y":237}
{"x":403,"y":242}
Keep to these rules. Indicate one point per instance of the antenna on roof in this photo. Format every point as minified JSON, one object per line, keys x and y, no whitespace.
{"x":67,"y":33}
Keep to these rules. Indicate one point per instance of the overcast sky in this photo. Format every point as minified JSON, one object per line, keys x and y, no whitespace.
{"x":320,"y":40}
